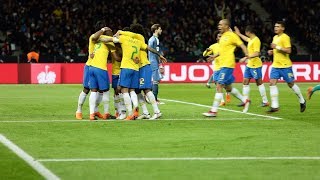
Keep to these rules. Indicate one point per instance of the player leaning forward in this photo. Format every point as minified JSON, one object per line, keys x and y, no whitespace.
{"x":129,"y":75}
{"x":227,"y":44}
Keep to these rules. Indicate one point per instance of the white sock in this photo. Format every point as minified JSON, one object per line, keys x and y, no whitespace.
{"x":106,"y":101}
{"x":99,"y":99}
{"x":274,"y":94}
{"x":216,"y":102}
{"x":116,"y":101}
{"x":296,"y":90}
{"x":142,"y":103}
{"x":236,"y":93}
{"x":245,"y":91}
{"x":263,"y":93}
{"x":93,"y":101}
{"x":153,"y":102}
{"x":122,"y":106}
{"x":82,"y":98}
{"x":134,"y":99}
{"x":128,"y":103}
{"x":222,"y":99}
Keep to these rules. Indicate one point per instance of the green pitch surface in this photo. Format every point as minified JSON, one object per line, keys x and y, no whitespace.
{"x":39,"y":119}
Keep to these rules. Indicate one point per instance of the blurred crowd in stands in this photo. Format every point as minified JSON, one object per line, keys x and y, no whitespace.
{"x":62,"y":27}
{"x":301,"y":17}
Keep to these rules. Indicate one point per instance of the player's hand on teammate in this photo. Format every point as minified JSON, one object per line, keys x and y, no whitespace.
{"x":210,"y":58}
{"x":91,"y":55}
{"x":136,"y":60}
{"x":236,"y":30}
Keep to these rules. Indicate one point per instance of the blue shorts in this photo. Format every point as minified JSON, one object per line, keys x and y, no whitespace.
{"x":226,"y":76}
{"x":145,"y":74}
{"x":216,"y":76}
{"x":85,"y":81}
{"x":115,"y":81}
{"x":286,"y":73}
{"x":156,"y":76}
{"x":129,"y":78}
{"x":98,"y":79}
{"x":254,"y":73}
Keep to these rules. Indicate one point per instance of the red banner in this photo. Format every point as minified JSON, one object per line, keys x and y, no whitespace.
{"x":174,"y":73}
{"x":45,"y":73}
{"x":8,"y":73}
{"x":200,"y":72}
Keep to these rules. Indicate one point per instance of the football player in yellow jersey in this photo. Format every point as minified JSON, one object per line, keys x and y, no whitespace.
{"x":145,"y":76}
{"x":82,"y":97}
{"x":254,"y":64}
{"x":282,"y":67}
{"x":227,"y":44}
{"x":129,"y":74}
{"x":98,"y":75}
{"x":212,"y":51}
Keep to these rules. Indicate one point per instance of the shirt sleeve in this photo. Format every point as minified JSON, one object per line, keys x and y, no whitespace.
{"x":237,"y":40}
{"x":144,"y":46}
{"x":256,"y":45}
{"x":286,"y":42}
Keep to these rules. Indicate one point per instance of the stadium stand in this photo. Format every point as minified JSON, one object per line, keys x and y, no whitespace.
{"x":61,"y":28}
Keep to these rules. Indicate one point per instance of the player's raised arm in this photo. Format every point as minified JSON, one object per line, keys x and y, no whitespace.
{"x":97,"y":34}
{"x":237,"y":31}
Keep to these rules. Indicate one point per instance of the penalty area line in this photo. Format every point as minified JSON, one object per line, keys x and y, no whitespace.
{"x":41,"y":169}
{"x":181,"y":159}
{"x":224,"y":109}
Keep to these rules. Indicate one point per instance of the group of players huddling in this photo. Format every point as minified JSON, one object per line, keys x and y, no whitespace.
{"x":132,"y":72}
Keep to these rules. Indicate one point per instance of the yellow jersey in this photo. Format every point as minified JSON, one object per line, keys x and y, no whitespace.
{"x":214,"y":50}
{"x":143,"y":54}
{"x":281,"y":59}
{"x":254,"y":46}
{"x":90,"y":50}
{"x":101,"y":53}
{"x":130,"y":50}
{"x":116,"y":64}
{"x":228,"y":43}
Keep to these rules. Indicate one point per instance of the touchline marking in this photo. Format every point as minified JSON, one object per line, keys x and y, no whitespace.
{"x":112,"y":120}
{"x":201,"y":105}
{"x":181,"y":159}
{"x":41,"y":169}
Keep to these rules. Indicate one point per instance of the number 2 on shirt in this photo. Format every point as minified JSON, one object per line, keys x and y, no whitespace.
{"x":134,"y":52}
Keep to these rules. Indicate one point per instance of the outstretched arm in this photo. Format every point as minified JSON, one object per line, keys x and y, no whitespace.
{"x":97,"y":34}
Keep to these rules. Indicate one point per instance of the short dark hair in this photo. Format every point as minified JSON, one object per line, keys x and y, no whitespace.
{"x":137,"y":28}
{"x":155,"y":27}
{"x":126,"y":28}
{"x":215,"y":34}
{"x":250,"y":29}
{"x":100,"y":24}
{"x":282,"y":23}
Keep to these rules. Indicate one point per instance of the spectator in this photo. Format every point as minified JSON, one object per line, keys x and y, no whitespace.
{"x":33,"y":57}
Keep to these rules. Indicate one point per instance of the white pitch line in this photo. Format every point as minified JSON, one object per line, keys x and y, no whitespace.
{"x":201,"y":105}
{"x":182,"y":159}
{"x":112,"y":120}
{"x":41,"y":169}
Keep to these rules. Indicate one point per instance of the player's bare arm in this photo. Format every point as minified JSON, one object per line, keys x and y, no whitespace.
{"x":237,"y":31}
{"x":97,"y":34}
{"x":162,"y":59}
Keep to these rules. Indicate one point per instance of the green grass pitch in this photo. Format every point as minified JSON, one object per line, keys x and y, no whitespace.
{"x":40,"y":120}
